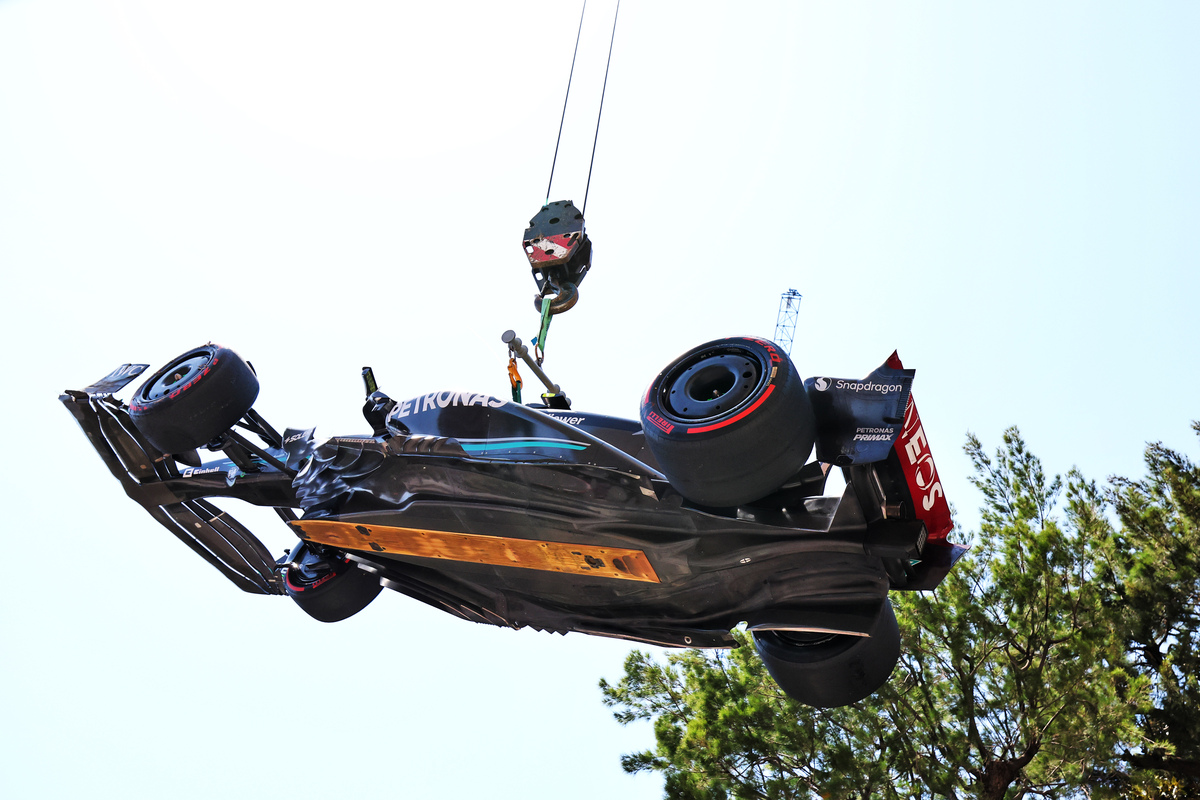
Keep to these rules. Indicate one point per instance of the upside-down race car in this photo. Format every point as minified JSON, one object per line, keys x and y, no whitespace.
{"x":704,"y":515}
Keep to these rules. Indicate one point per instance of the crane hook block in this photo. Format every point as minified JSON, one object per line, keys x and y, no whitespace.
{"x":557,"y":247}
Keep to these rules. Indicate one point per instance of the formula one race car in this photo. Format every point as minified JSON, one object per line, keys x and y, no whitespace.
{"x":704,"y":515}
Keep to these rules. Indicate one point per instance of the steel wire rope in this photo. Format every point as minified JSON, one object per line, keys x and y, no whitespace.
{"x":603,"y":89}
{"x":570,"y":76}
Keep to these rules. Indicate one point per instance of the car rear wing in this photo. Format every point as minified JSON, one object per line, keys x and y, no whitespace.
{"x":176,"y":498}
{"x":929,"y":502}
{"x":871,"y":428}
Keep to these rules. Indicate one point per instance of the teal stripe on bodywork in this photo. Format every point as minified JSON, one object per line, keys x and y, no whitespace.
{"x":483,"y":448}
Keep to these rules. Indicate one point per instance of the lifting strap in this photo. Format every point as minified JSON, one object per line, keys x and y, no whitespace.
{"x":539,"y":344}
{"x":514,"y":378}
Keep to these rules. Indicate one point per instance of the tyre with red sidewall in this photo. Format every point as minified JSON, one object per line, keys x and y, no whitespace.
{"x":831,"y":670}
{"x":194,"y":399}
{"x":729,"y":421}
{"x":328,"y":586}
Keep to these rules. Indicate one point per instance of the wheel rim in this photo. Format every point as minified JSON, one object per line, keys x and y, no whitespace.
{"x":309,"y":570}
{"x":712,"y":385}
{"x":176,"y":375}
{"x":305,"y":575}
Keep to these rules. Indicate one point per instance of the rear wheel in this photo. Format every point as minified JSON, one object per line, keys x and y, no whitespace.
{"x":729,"y":421}
{"x":328,"y":586}
{"x":194,"y":399}
{"x":830,"y":670}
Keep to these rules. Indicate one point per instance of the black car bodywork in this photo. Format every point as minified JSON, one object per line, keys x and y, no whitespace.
{"x":558,"y":520}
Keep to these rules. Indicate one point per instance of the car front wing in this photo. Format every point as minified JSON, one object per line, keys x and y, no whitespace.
{"x":174,"y":499}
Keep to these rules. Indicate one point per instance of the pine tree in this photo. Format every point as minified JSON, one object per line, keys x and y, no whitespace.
{"x":1151,"y":571}
{"x":1014,"y":679}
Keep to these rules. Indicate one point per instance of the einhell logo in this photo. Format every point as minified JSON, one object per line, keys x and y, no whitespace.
{"x":821,"y":384}
{"x":659,"y":422}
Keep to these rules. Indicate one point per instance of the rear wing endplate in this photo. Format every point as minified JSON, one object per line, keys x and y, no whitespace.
{"x":858,"y":420}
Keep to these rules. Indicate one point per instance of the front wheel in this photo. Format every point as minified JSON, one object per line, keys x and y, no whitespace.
{"x":194,"y":399}
{"x":729,"y":421}
{"x":828,"y":670}
{"x":328,"y":587}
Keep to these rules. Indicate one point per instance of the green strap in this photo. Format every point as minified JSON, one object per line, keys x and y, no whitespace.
{"x":541,"y":339}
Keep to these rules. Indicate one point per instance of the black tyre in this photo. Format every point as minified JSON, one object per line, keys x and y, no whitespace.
{"x":830,"y":670}
{"x":729,"y":421}
{"x":328,"y":587}
{"x":195,"y":398}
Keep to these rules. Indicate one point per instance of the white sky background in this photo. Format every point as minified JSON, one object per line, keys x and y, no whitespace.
{"x":1008,"y":195}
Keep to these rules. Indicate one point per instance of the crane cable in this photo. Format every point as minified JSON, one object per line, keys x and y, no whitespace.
{"x":603,"y":89}
{"x":570,"y":76}
{"x":567,"y":97}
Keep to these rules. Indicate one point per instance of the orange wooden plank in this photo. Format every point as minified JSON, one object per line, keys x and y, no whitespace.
{"x":604,"y":562}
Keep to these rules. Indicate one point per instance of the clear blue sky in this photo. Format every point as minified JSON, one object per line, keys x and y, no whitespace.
{"x":1009,"y":195}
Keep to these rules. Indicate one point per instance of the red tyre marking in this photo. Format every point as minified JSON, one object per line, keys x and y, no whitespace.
{"x":732,"y":420}
{"x":770,"y":348}
{"x":659,"y":422}
{"x":288,"y":578}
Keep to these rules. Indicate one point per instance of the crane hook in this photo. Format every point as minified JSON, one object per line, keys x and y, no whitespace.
{"x":567,"y":296}
{"x":559,"y":253}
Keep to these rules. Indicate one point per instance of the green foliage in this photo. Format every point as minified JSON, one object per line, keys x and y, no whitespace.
{"x":725,"y":730}
{"x":1059,"y":658}
{"x":1151,"y":572}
